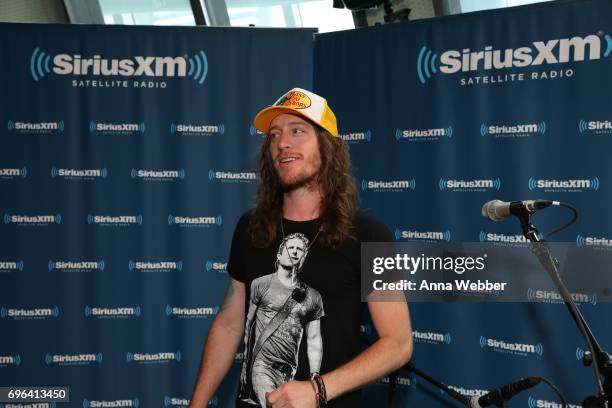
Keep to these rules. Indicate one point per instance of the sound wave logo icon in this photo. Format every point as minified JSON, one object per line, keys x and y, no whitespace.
{"x":426,"y":64}
{"x":580,"y":240}
{"x":582,"y":126}
{"x":39,"y":64}
{"x":532,"y":183}
{"x":198,"y":67}
{"x":532,"y":403}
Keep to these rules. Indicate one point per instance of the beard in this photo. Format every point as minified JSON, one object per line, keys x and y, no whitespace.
{"x":302,"y":180}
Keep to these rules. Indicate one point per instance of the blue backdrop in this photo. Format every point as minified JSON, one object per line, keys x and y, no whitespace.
{"x":127,"y":157}
{"x":443,"y":115}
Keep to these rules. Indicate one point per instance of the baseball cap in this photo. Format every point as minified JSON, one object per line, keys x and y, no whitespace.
{"x":300,"y":102}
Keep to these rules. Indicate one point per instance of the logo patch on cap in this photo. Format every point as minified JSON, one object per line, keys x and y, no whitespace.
{"x":295,"y":99}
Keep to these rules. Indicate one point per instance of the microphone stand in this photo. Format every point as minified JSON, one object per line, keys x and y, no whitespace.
{"x":454,"y":394}
{"x":410,"y":367}
{"x":600,"y":359}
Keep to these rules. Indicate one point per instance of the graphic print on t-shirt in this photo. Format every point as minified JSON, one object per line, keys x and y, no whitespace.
{"x":281,"y":310}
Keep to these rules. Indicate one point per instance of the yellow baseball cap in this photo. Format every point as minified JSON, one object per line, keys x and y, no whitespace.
{"x":300,"y":102}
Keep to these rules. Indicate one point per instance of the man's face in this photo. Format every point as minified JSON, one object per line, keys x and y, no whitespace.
{"x":294,"y":149}
{"x":292,"y":253}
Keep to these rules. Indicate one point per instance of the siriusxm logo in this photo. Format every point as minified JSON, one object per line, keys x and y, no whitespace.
{"x":32,"y":220}
{"x":512,"y":348}
{"x":547,"y":296}
{"x":549,"y":52}
{"x":51,"y":404}
{"x":401,"y":381}
{"x":197,"y":130}
{"x":13,"y":173}
{"x":114,"y":221}
{"x":423,"y":134}
{"x":76,"y":266}
{"x":570,"y":185}
{"x":215,"y":266}
{"x":593,"y":242}
{"x":195,"y":66}
{"x":194,"y":221}
{"x":184,"y":402}
{"x":162,"y":266}
{"x":10,"y":360}
{"x":190,"y":312}
{"x":422,"y":235}
{"x":149,"y":358}
{"x":388,"y":185}
{"x":29,"y":314}
{"x":356,"y":137}
{"x":8,"y":266}
{"x":112,"y":403}
{"x":115,"y":312}
{"x":508,"y":239}
{"x":468,"y":392}
{"x":432,"y":338}
{"x":595,"y":126}
{"x":521,"y":130}
{"x":73,"y":359}
{"x":469,"y":185}
{"x":226,"y":176}
{"x":162,"y":175}
{"x":79,"y":174}
{"x":539,"y":403}
{"x":35,"y":127}
{"x":117,"y":128}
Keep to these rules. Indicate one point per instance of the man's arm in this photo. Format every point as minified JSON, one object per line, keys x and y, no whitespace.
{"x":220,"y":347}
{"x":314,"y":345}
{"x":391,"y":351}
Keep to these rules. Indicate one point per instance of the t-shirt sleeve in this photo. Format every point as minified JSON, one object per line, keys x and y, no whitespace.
{"x":236,"y":265}
{"x":315,"y":308}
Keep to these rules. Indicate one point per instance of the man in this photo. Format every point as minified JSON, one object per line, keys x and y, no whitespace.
{"x":306,"y":188}
{"x":281,"y":308}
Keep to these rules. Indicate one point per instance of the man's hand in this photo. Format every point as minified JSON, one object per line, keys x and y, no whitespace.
{"x":294,"y":394}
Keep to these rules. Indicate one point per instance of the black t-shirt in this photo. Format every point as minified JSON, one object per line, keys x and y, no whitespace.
{"x":295,"y":320}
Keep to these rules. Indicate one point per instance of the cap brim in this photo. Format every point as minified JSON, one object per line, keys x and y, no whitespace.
{"x":265,"y":117}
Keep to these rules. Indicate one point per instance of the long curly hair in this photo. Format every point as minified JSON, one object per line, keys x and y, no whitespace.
{"x":339,"y":194}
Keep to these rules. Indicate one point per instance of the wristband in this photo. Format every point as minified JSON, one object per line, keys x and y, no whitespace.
{"x":322,"y":393}
{"x":316,"y":390}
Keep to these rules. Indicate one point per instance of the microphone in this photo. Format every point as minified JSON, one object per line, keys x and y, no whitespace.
{"x":497,"y":210}
{"x":499,"y":395}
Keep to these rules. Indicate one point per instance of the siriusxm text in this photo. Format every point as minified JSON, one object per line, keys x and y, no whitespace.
{"x":554,"y":51}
